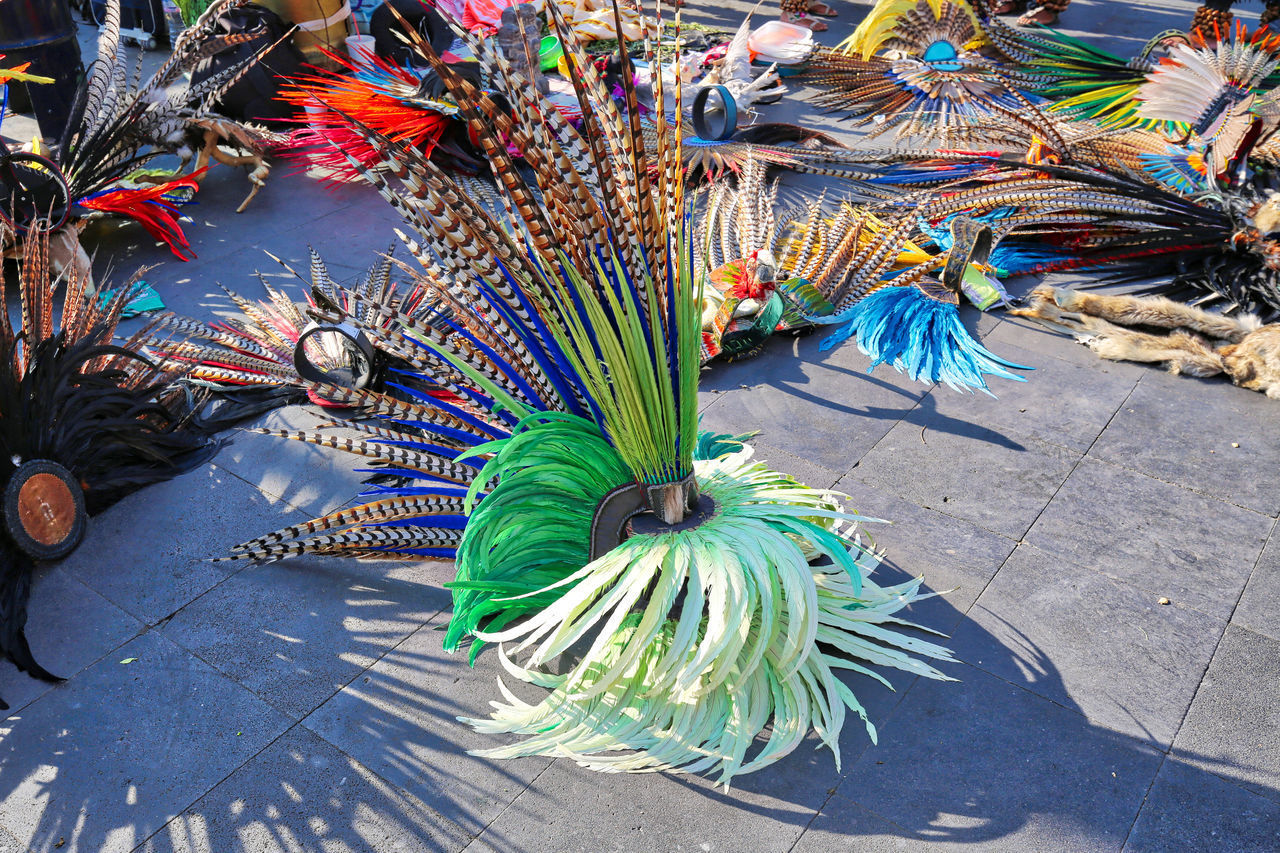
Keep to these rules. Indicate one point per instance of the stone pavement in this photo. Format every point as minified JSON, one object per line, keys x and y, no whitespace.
{"x":308,"y":705}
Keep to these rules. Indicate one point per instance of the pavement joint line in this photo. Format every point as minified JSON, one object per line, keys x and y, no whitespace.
{"x":1261,"y":791}
{"x":508,"y":806}
{"x":1182,"y":486}
{"x":1076,"y":465}
{"x":1076,"y":712}
{"x":1140,"y":587}
{"x":210,"y":789}
{"x":906,"y":833}
{"x":51,"y":686}
{"x":163,"y":620}
{"x":1170,"y":753}
{"x":220,"y":674}
{"x":1272,"y":536}
{"x":1127,"y":583}
{"x":1147,"y":794}
{"x":844,"y":777}
{"x":159,"y":626}
{"x":306,"y":514}
{"x":865,"y":453}
{"x":300,"y":721}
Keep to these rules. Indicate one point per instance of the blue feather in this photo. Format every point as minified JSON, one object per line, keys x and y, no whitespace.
{"x":922,"y":337}
{"x":460,"y":414}
{"x":415,"y":491}
{"x":444,"y":553}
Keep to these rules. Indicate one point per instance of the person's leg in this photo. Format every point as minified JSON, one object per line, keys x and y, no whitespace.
{"x":1008,"y":7}
{"x":1045,"y":13}
{"x":1214,"y":13}
{"x":797,"y":12}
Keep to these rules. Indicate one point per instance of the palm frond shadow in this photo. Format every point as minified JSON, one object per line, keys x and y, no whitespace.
{"x":378,"y":754}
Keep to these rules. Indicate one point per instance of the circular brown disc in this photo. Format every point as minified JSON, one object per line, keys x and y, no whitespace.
{"x":47,"y":509}
{"x":43,"y":509}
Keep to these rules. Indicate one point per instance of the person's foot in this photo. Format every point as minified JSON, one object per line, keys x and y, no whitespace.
{"x":1042,"y":16}
{"x":822,"y":10}
{"x":813,"y":24}
{"x":1008,"y":7}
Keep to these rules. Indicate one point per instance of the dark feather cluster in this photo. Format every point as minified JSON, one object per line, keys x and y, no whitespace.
{"x":71,"y":397}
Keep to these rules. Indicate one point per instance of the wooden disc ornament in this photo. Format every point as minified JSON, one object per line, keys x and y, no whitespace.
{"x":44,"y":510}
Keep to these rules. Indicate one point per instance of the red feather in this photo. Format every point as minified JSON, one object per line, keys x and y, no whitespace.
{"x":148,"y":207}
{"x":380,"y":96}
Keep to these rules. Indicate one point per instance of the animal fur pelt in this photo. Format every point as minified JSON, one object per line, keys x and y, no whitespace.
{"x":1198,"y":343}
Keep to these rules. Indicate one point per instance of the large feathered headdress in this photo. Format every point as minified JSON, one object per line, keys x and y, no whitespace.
{"x":83,"y":422}
{"x":548,"y":437}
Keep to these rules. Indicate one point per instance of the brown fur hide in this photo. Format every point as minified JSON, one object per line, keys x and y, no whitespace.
{"x":1197,"y":344}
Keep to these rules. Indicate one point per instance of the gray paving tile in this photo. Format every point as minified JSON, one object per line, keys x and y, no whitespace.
{"x":802,"y":469}
{"x":316,"y":480}
{"x":954,"y":556}
{"x":302,"y":794}
{"x":296,"y":632}
{"x":991,"y":766}
{"x":111,"y":757}
{"x":1258,"y":607}
{"x":845,"y":826}
{"x":1181,"y":430}
{"x":573,"y":809}
{"x":354,"y":236}
{"x":997,"y":481}
{"x":399,"y":720}
{"x":1189,"y":809}
{"x":290,"y":203}
{"x":1233,"y":727}
{"x":1167,"y":540}
{"x":1061,"y":403}
{"x":1084,"y":640}
{"x":1046,"y":345}
{"x":216,"y":232}
{"x":845,"y":411}
{"x":69,"y":627}
{"x":149,"y":553}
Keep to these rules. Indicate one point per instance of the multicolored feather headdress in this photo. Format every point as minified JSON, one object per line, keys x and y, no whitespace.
{"x":914,"y":68}
{"x":547,"y":436}
{"x":119,"y":123}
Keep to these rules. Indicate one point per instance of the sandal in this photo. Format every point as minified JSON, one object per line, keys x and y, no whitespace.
{"x":1009,"y":7}
{"x":822,"y":10}
{"x":1042,"y":16}
{"x":813,"y":24}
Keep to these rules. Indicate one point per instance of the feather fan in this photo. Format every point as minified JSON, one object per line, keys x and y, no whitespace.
{"x":550,"y":441}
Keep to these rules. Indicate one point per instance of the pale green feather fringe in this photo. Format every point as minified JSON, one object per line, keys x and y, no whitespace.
{"x":691,"y":684}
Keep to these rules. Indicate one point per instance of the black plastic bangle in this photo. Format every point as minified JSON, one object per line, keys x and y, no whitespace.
{"x":728,"y":122}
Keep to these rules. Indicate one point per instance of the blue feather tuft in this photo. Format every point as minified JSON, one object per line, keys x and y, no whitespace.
{"x":922,"y":337}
